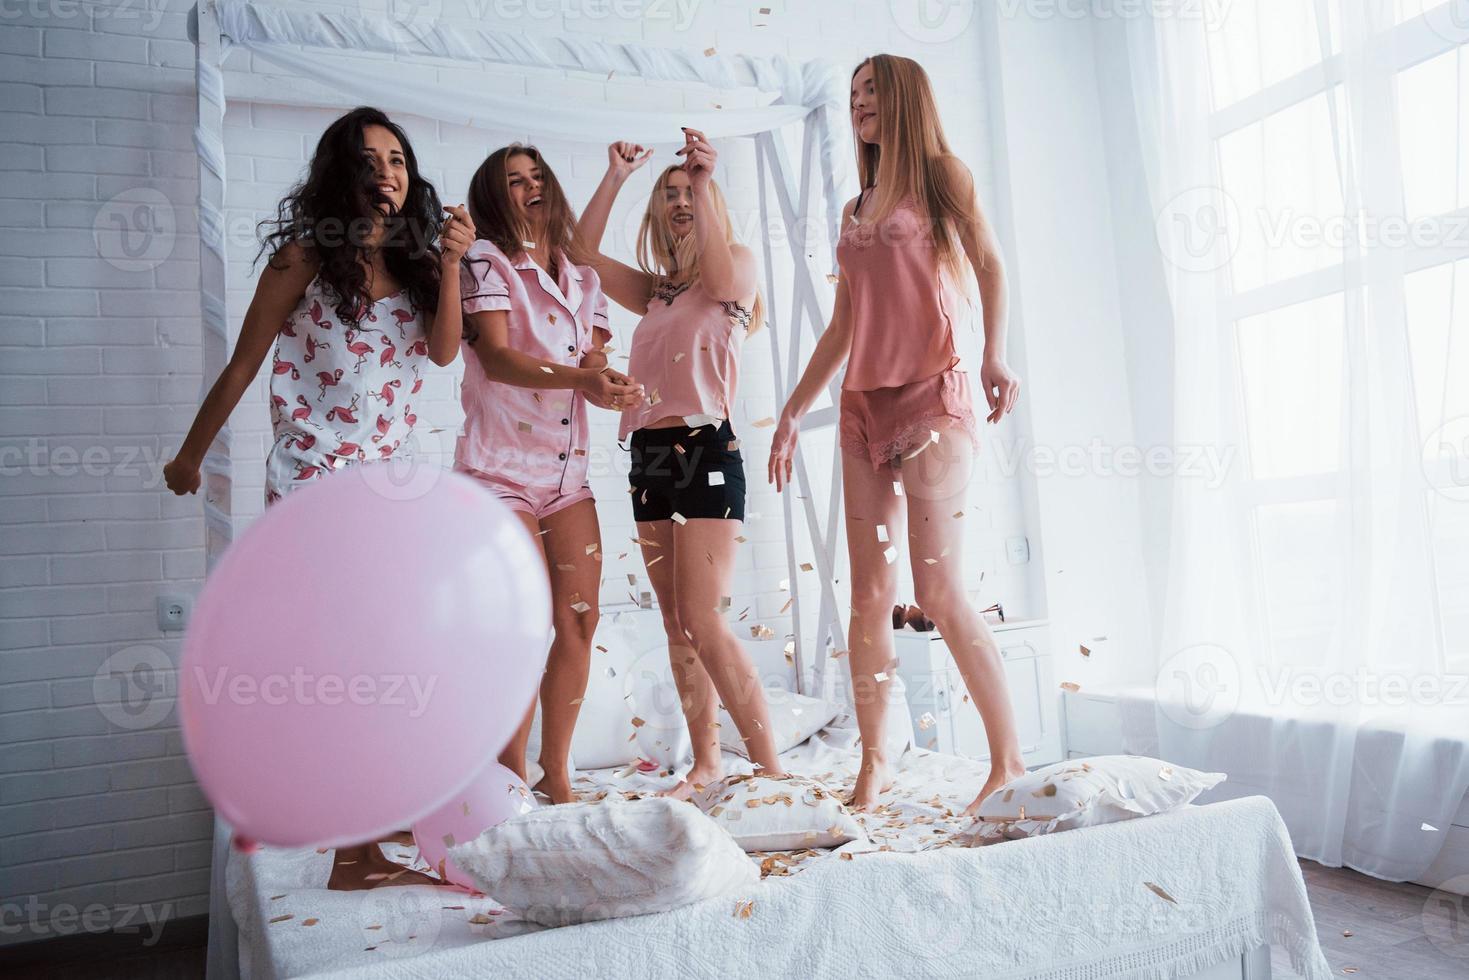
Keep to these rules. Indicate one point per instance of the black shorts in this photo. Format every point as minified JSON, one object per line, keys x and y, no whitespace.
{"x":693,"y":475}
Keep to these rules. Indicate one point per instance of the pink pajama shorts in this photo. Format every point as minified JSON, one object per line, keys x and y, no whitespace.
{"x":884,"y":424}
{"x":538,"y":502}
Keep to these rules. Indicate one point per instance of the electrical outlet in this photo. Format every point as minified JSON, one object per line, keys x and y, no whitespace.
{"x":173,"y":612}
{"x":1017,"y":550}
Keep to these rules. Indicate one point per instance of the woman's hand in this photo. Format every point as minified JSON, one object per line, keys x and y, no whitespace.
{"x":699,"y":158}
{"x":624,"y":158}
{"x":783,"y":451}
{"x":456,"y":236}
{"x":181,"y":475}
{"x":610,"y":389}
{"x":1001,"y":388}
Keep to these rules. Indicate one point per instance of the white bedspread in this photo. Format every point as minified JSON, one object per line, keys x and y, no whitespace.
{"x":1155,"y":897}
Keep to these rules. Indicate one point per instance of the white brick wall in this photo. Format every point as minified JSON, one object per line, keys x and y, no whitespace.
{"x":100,"y":377}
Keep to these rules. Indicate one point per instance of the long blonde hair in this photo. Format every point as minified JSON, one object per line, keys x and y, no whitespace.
{"x":910,"y":129}
{"x":663,"y":254}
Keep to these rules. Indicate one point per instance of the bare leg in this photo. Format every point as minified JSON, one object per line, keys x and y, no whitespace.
{"x":576,"y":578}
{"x":870,"y":505}
{"x":365,"y":866}
{"x":705,"y":552}
{"x":696,"y":693}
{"x":937,"y":482}
{"x":512,"y":756}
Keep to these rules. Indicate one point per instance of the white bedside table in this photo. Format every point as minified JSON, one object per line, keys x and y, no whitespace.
{"x":944,"y":720}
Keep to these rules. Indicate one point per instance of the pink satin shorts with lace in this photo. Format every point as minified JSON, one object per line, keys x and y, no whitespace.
{"x":885,"y":423}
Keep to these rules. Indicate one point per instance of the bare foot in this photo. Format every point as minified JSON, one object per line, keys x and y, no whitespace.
{"x":557,"y":786}
{"x":875,"y":779}
{"x":999,"y":776}
{"x":693,"y":781}
{"x":365,"y":866}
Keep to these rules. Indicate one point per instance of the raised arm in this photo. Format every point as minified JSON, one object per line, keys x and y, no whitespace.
{"x":281,"y":286}
{"x":628,"y":287}
{"x":727,"y":272}
{"x":982,"y":248}
{"x":831,"y":352}
{"x":447,"y":325}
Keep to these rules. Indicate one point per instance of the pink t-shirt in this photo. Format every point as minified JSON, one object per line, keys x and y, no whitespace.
{"x":530,"y":437}
{"x":903,"y":305}
{"x":686,"y":354}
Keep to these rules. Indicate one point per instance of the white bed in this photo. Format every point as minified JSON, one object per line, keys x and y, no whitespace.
{"x":1073,"y":905}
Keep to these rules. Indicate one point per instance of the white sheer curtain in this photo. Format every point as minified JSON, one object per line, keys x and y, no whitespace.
{"x":1309,"y":164}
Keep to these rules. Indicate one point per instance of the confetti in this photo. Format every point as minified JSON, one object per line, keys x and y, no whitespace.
{"x":524,"y":426}
{"x":709,"y":53}
{"x":1429,"y":827}
{"x":891,"y":554}
{"x":832,"y":278}
{"x":1069,"y":686}
{"x":716,"y":478}
{"x":880,"y":676}
{"x":741,"y":539}
{"x":1085,"y":650}
{"x":930,"y":561}
{"x":551,"y":317}
{"x":592,"y":548}
{"x":679,"y":356}
{"x":1166,"y":773}
{"x":565,"y":568}
{"x":655,"y":561}
{"x":679,"y":518}
{"x":958,"y":514}
{"x":282,"y":918}
{"x":743,"y":908}
{"x":547,"y":369}
{"x":786,"y":606}
{"x":882,"y":533}
{"x":926,"y":721}
{"x":480,"y":919}
{"x":759,"y":631}
{"x":764,"y":423}
{"x":1156,"y":890}
{"x":897,"y":488}
{"x":580,"y":607}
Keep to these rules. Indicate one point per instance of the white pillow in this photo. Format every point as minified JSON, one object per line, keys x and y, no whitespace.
{"x":580,"y":862}
{"x":631,"y":708}
{"x":778,"y":813}
{"x":1086,"y":793}
{"x":793,"y":718}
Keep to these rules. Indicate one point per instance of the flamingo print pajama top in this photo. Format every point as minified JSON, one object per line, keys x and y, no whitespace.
{"x":342,"y":393}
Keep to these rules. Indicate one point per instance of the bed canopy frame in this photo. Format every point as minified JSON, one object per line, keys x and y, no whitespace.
{"x":302,"y":44}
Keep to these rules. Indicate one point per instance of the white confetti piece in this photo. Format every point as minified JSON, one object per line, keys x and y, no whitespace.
{"x":882,"y":533}
{"x":891,"y":554}
{"x":764,"y":423}
{"x":897,"y":488}
{"x":547,"y":369}
{"x":716,"y":478}
{"x":679,"y":518}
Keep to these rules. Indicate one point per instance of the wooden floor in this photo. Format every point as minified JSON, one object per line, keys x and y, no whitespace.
{"x":1397,"y":932}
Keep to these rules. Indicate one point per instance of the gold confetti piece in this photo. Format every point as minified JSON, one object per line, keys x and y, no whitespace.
{"x":309,"y":922}
{"x":565,"y":568}
{"x":787,"y":605}
{"x":480,"y":919}
{"x":926,"y":721}
{"x":274,"y":898}
{"x":716,"y":479}
{"x":805,"y":566}
{"x":1047,"y":790}
{"x":740,"y":539}
{"x":761,"y":632}
{"x":882,"y":533}
{"x":679,"y":518}
{"x":833,"y":278}
{"x":709,"y":53}
{"x":524,"y":426}
{"x":958,"y":514}
{"x":1349,"y":970}
{"x":282,"y":918}
{"x":653,"y":397}
{"x":655,"y":561}
{"x":1347,"y":933}
{"x":1069,"y":686}
{"x":891,"y":554}
{"x":679,"y":356}
{"x":578,"y":452}
{"x":547,"y":369}
{"x":581,"y":607}
{"x":764,"y":423}
{"x":537,"y":396}
{"x":638,"y":722}
{"x":1085,"y":650}
{"x":592,"y":547}
{"x":930,"y":561}
{"x":679,"y":449}
{"x":838,"y":654}
{"x":1156,"y":890}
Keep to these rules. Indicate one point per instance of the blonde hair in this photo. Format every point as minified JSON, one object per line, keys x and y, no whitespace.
{"x":663,"y":254}
{"x":910,"y":130}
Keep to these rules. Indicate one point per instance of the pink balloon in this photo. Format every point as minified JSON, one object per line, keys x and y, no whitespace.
{"x":493,"y":796}
{"x":358,"y":653}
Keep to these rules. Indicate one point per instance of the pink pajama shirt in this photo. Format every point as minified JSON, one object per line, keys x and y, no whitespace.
{"x":529,"y":445}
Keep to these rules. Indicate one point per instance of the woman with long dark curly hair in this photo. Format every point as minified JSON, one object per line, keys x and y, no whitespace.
{"x":361,"y":265}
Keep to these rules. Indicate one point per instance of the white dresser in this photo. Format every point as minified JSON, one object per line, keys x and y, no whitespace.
{"x":946,"y":720}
